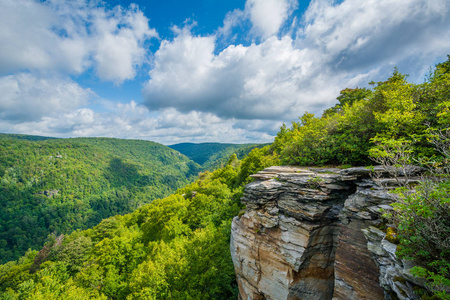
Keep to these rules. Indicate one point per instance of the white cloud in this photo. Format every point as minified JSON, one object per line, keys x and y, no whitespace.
{"x":356,"y":35}
{"x":196,"y":92}
{"x":267,"y":16}
{"x":339,"y":45}
{"x":25,"y":97}
{"x":120,"y":51}
{"x":131,"y":120}
{"x":71,"y":36}
{"x":232,"y":19}
{"x":271,"y":80}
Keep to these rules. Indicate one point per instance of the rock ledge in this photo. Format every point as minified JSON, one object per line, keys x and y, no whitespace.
{"x":311,"y":233}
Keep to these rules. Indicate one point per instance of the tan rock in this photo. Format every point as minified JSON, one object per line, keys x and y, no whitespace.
{"x":308,"y":233}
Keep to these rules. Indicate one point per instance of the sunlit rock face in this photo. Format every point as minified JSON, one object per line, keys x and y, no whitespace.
{"x":308,"y":234}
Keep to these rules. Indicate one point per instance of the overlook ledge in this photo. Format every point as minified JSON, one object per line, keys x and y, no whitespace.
{"x":313,"y":233}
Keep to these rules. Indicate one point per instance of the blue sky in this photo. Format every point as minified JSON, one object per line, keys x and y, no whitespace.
{"x":201,"y":71}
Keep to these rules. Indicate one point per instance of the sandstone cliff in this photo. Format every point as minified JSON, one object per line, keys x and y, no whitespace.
{"x":314,"y":234}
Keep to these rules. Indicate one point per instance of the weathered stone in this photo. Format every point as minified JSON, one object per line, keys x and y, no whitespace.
{"x":283,"y":246}
{"x":362,"y":171}
{"x":355,"y":271}
{"x":308,"y":233}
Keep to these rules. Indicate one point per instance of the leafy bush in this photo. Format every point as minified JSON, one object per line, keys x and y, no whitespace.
{"x":422,"y":219}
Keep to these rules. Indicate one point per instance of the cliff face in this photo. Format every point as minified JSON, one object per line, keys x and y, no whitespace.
{"x":313,"y":234}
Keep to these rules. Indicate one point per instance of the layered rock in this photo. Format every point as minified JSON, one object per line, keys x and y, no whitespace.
{"x":312,"y":234}
{"x":356,"y":272}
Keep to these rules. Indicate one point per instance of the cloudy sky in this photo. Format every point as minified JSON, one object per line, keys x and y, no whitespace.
{"x":201,"y":70}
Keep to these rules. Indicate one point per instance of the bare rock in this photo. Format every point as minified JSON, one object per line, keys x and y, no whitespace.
{"x":356,"y":272}
{"x":283,"y":246}
{"x":310,"y":233}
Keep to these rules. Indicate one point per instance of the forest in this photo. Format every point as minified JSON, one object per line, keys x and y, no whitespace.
{"x":177,"y":247}
{"x":59,"y":185}
{"x":214,"y":155}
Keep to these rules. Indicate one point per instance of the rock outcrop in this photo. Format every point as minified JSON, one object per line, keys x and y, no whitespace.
{"x":311,"y":233}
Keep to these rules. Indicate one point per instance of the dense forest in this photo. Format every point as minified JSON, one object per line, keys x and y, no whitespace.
{"x":213,"y":155}
{"x":178,"y":247}
{"x":59,"y":185}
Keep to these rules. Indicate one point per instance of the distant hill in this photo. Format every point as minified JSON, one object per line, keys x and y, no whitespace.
{"x":26,"y":137}
{"x":59,"y":185}
{"x":213,"y":155}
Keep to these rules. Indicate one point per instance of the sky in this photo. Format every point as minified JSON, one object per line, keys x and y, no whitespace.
{"x":177,"y":71}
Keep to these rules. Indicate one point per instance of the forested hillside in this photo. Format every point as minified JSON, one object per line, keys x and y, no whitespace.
{"x":178,"y":247}
{"x":27,"y":137}
{"x":59,"y":185}
{"x":213,"y":155}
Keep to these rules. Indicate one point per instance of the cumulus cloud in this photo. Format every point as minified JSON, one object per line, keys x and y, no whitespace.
{"x":267,"y":16}
{"x":232,"y":19}
{"x":356,"y":35}
{"x":200,"y":89}
{"x":120,"y":51}
{"x":272,"y":80}
{"x":131,"y":120}
{"x":336,"y":45}
{"x":71,"y":36}
{"x":25,"y":97}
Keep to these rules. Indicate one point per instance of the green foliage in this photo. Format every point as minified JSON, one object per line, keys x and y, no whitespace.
{"x":340,"y":136}
{"x":362,"y":119}
{"x":315,"y":182}
{"x":416,"y":130}
{"x":59,"y":185}
{"x":257,"y":160}
{"x":308,"y":140}
{"x":213,"y":155}
{"x":28,"y":137}
{"x":173,"y":248}
{"x":347,"y":97}
{"x":318,"y":141}
{"x":422,"y":219}
{"x":442,"y":68}
{"x":200,"y":153}
{"x":400,"y":115}
{"x":51,"y":283}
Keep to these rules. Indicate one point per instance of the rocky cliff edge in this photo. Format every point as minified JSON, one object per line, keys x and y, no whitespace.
{"x":314,"y":233}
